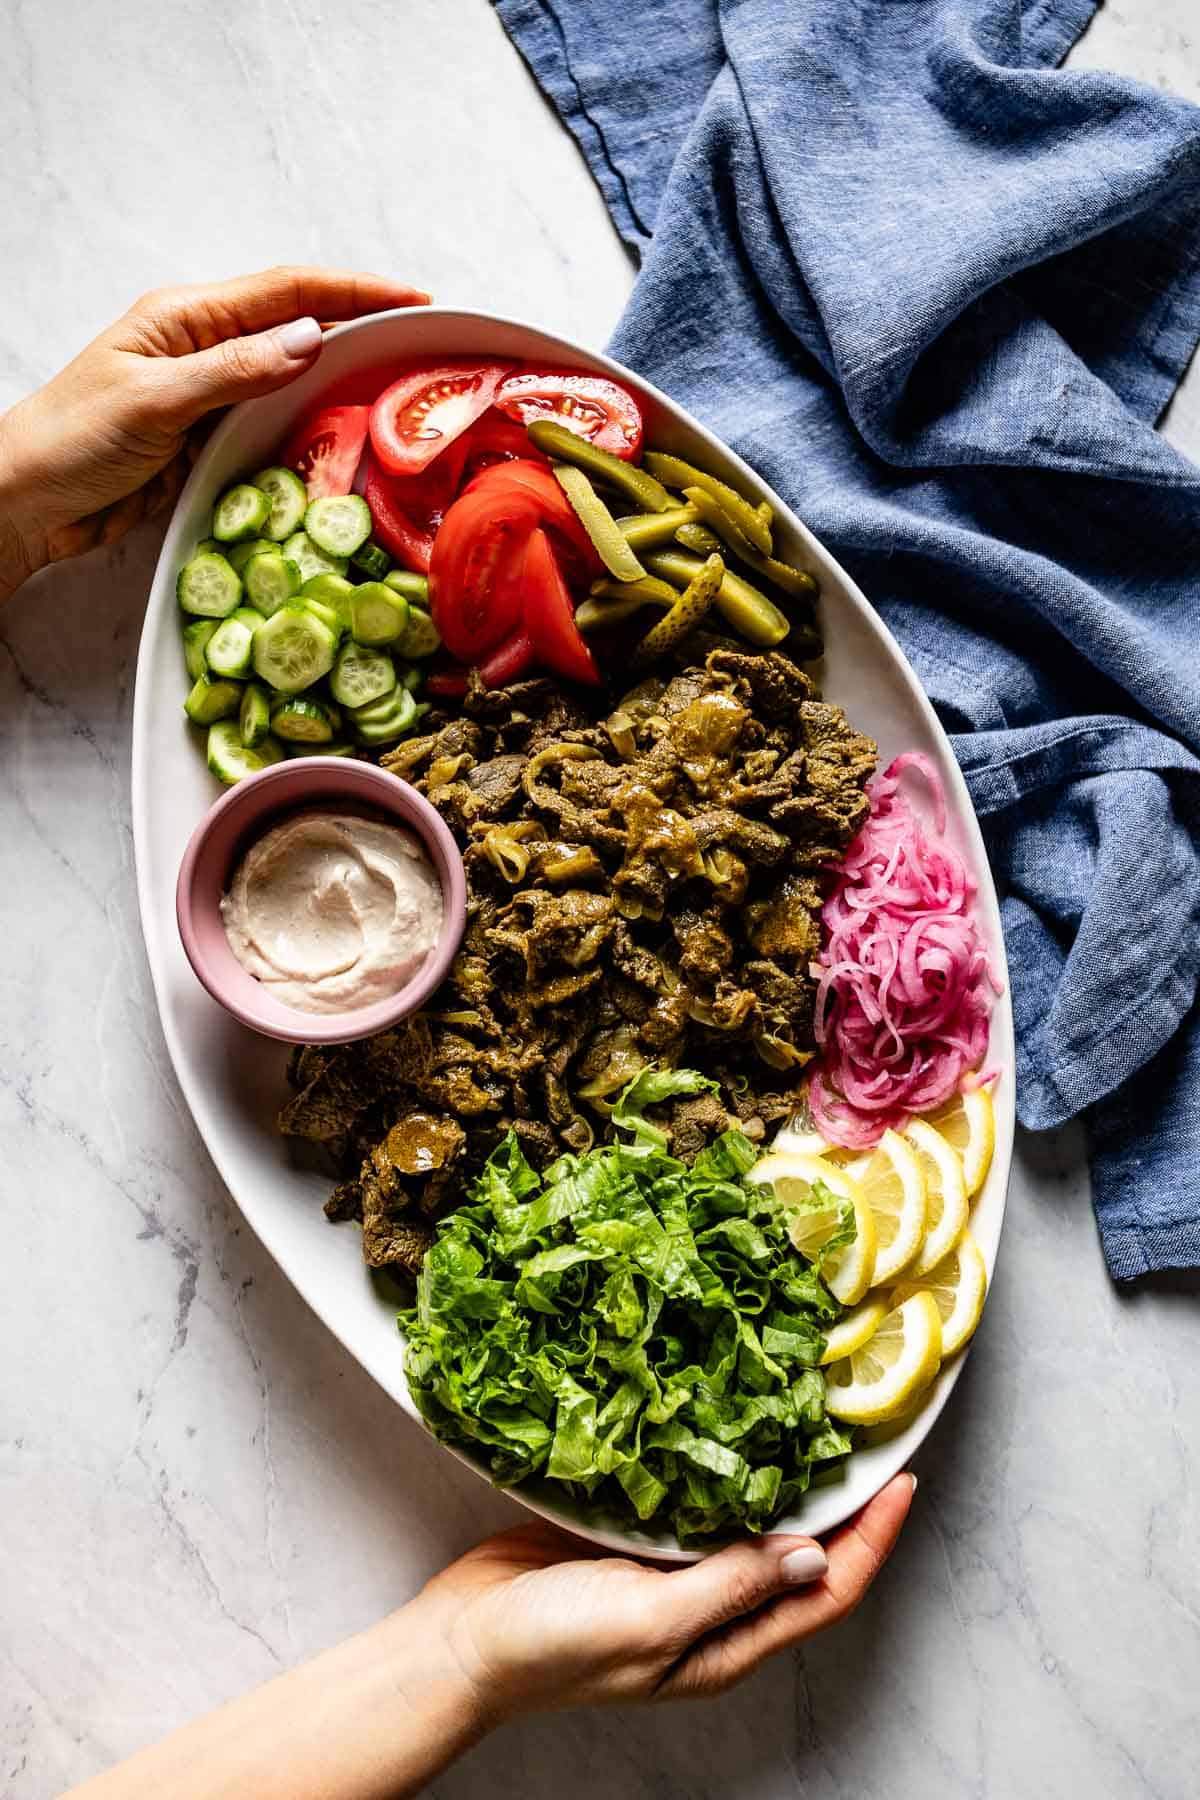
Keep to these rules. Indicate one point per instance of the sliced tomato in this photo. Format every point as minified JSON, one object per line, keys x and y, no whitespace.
{"x":591,"y":405}
{"x":415,"y":418}
{"x":536,"y":481}
{"x":446,"y":684}
{"x":475,"y":570}
{"x":325,"y":449}
{"x":550,"y":616}
{"x":509,"y":660}
{"x":406,"y":510}
{"x":495,"y":439}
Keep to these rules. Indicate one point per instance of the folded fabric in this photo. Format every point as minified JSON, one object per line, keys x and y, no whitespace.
{"x":939,"y":292}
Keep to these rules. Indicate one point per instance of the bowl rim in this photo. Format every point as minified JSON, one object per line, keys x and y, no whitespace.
{"x":537,"y":1499}
{"x":266,"y":797}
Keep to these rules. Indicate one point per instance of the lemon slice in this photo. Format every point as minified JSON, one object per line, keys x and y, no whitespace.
{"x":945,"y":1195}
{"x":969,"y":1123}
{"x":890,"y":1177}
{"x":878,"y":1381}
{"x":854,"y":1329}
{"x":958,"y":1286}
{"x":848,"y":1271}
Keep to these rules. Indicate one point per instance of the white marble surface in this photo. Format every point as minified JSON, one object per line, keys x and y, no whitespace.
{"x":197,"y":1487}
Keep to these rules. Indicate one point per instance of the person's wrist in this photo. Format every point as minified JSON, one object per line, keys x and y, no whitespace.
{"x":22,"y":554}
{"x":445,"y":1681}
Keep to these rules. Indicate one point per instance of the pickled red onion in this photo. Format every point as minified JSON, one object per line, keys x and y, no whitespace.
{"x":904,"y":985}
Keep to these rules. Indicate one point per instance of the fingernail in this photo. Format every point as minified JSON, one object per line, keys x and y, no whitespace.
{"x":913,"y":1479}
{"x":806,"y":1564}
{"x":300,"y":338}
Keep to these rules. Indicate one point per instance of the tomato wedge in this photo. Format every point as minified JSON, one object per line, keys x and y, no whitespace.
{"x":550,"y":616}
{"x":475,"y":570}
{"x":406,"y":510}
{"x":508,"y":660}
{"x":415,"y":418}
{"x":325,"y":449}
{"x":555,"y":510}
{"x":591,"y":405}
{"x":494,"y":439}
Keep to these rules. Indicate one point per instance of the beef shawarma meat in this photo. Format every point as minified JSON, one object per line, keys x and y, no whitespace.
{"x":641,"y":889}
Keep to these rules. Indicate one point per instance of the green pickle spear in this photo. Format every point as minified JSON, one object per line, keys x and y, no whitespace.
{"x":754,"y":522}
{"x":611,"y":546}
{"x":751,"y":614}
{"x":687,"y":612}
{"x":713,"y":515}
{"x":636,"y":484}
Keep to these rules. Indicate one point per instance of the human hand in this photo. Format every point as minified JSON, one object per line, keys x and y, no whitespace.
{"x":536,"y":1621}
{"x":103,"y":444}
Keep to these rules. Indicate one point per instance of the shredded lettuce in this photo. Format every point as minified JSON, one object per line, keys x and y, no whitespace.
{"x":640,"y":1330}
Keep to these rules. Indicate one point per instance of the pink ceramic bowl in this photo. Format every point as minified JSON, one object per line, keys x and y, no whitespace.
{"x":244,"y":814}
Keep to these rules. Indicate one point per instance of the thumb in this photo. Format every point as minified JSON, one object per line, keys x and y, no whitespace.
{"x":737,"y":1581}
{"x":241,"y":368}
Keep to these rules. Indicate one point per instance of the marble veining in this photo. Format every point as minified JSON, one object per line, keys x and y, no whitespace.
{"x":197,"y":1486}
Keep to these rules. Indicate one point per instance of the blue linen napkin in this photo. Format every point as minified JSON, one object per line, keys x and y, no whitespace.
{"x":939,"y":292}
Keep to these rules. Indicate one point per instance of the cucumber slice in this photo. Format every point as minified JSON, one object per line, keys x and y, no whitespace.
{"x":289,"y":502}
{"x":254,"y":719}
{"x":361,"y":675}
{"x":208,"y":585}
{"x":292,"y":649}
{"x":420,"y":635}
{"x":207,"y":546}
{"x":212,"y":698}
{"x":378,"y":615}
{"x":413,"y":587}
{"x":230,"y":759}
{"x":385,"y":720}
{"x":339,"y":524}
{"x":195,"y":637}
{"x":412,"y":679}
{"x":310,"y":559}
{"x":239,"y":554}
{"x":373,"y":560}
{"x":229,"y":647}
{"x":329,"y":614}
{"x":320,"y":750}
{"x":330,"y":590}
{"x":270,"y":580}
{"x":241,"y":513}
{"x":303,"y":721}
{"x":387,"y":707}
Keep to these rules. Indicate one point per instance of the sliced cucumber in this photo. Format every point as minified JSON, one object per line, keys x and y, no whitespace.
{"x":378,"y":615}
{"x":195,"y":636}
{"x":254,"y":718}
{"x":331,"y":590}
{"x":240,"y":554}
{"x":329,"y":614}
{"x":303,"y":721}
{"x":230,"y":759}
{"x":361,"y":675}
{"x":229,"y":647}
{"x":413,"y":587}
{"x":338,"y":524}
{"x":208,"y":585}
{"x":310,"y":559}
{"x":289,"y":502}
{"x":320,"y":750}
{"x":373,"y":560}
{"x":241,"y":513}
{"x":420,"y":635}
{"x":270,"y":580}
{"x":386,"y":719}
{"x":292,"y":649}
{"x":207,"y":546}
{"x":212,"y":698}
{"x":412,"y":680}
